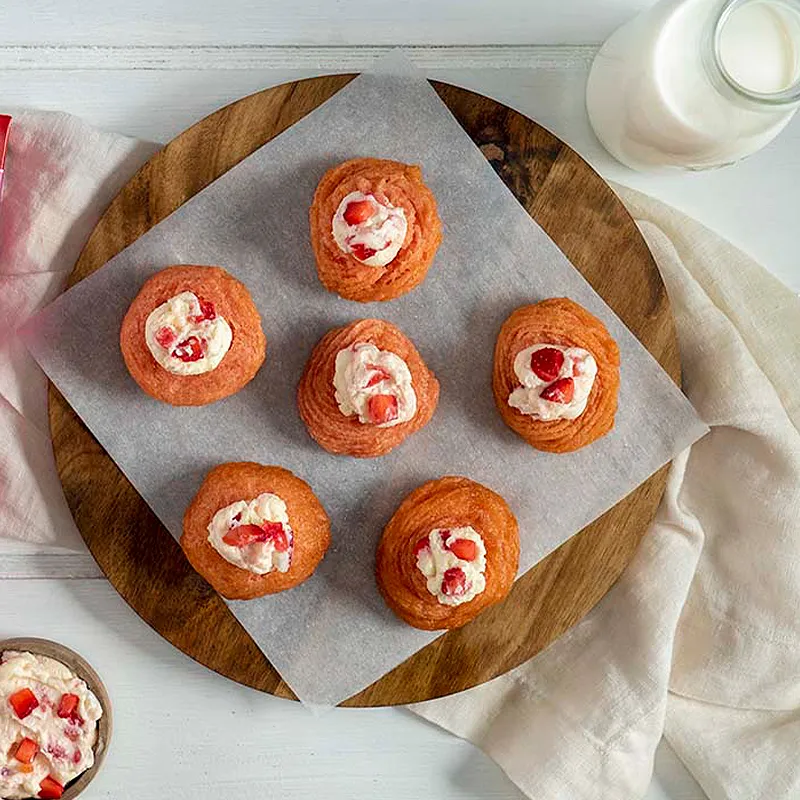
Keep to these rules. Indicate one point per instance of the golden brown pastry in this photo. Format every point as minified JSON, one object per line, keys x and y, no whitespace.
{"x":365,"y":389}
{"x":253,"y":530}
{"x":374,"y":229}
{"x":556,"y":375}
{"x":192,"y":336}
{"x":450,"y":551}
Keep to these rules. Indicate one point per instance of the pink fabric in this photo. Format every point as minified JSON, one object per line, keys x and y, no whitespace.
{"x":60,"y":176}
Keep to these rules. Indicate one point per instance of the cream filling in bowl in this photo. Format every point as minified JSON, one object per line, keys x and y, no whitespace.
{"x":44,"y":702}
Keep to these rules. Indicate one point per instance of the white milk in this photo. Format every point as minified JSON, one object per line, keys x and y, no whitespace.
{"x":682,"y":86}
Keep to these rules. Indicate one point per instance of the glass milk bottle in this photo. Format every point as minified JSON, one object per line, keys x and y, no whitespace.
{"x":696,"y":84}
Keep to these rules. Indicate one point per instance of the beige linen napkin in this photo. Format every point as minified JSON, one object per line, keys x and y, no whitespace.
{"x":699,"y":638}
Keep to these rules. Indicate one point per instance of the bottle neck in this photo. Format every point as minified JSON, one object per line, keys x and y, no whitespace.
{"x":727,"y":82}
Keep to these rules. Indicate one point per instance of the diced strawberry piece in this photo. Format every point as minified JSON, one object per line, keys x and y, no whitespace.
{"x":380,"y":375}
{"x":67,"y":705}
{"x":190,"y":349}
{"x":361,"y":251}
{"x":463,"y":548}
{"x":243,"y":535}
{"x":277,"y":533}
{"x":358,"y":211}
{"x":422,"y":544}
{"x":444,"y":535}
{"x":26,"y":751}
{"x":207,"y":311}
{"x":23,"y":702}
{"x":76,"y":757}
{"x":166,"y":337}
{"x":561,"y":391}
{"x":382,"y":408}
{"x":50,"y":789}
{"x":454,"y":582}
{"x":546,"y":363}
{"x":56,"y":750}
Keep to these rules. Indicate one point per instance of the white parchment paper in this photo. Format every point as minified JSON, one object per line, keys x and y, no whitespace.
{"x":332,"y":636}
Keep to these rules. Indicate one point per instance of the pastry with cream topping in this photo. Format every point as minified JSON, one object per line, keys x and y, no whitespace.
{"x":253,"y":530}
{"x":365,"y":389}
{"x":374,"y":228}
{"x":450,"y":551}
{"x":556,"y":375}
{"x":192,"y":336}
{"x":48,"y":726}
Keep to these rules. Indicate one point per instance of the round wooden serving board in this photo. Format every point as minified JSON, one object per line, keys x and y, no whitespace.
{"x":146,"y":565}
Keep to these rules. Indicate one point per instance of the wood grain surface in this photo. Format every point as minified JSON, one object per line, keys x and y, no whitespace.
{"x":582,"y":215}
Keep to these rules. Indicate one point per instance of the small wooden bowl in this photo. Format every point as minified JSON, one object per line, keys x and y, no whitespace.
{"x":58,"y":652}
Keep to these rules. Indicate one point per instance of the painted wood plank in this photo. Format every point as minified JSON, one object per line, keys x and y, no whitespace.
{"x":311,"y":22}
{"x":49,"y":565}
{"x":244,"y":57}
{"x":182,"y":731}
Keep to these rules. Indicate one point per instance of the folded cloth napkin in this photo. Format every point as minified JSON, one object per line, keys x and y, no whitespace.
{"x":60,"y":176}
{"x":698,"y":639}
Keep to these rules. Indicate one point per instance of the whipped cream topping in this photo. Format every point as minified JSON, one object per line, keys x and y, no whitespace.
{"x":186,"y":336}
{"x":254,"y":535}
{"x":62,"y":732}
{"x":553,"y":386}
{"x":371,"y":231}
{"x":453,"y":561}
{"x":374,"y":384}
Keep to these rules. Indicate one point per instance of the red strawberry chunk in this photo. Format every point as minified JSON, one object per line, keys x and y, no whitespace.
{"x":361,"y":251}
{"x":50,"y":789}
{"x":358,"y":211}
{"x":463,"y":548}
{"x":67,"y":705}
{"x":445,"y":535}
{"x":190,"y":349}
{"x":422,"y":544}
{"x":382,"y":408}
{"x":26,"y":751}
{"x":380,"y":375}
{"x":166,"y":337}
{"x":561,"y":391}
{"x":23,"y":702}
{"x":243,"y":535}
{"x":76,"y":757}
{"x":207,"y":311}
{"x":277,"y":533}
{"x":546,"y":363}
{"x":455,"y":582}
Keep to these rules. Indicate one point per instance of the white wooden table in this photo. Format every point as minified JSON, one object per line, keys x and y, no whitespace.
{"x":146,"y":70}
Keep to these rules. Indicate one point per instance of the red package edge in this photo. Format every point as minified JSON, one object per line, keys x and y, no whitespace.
{"x":5,"y":124}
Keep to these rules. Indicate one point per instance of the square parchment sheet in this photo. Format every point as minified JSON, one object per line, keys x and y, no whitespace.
{"x":332,"y":636}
